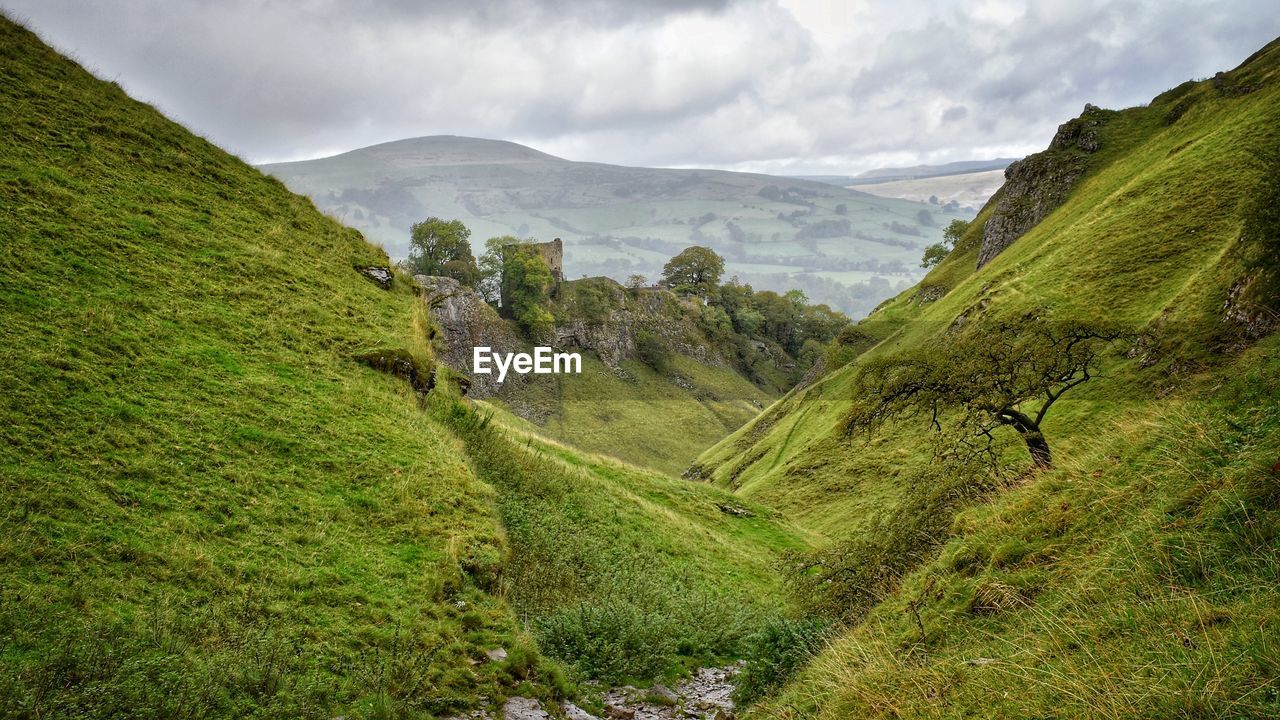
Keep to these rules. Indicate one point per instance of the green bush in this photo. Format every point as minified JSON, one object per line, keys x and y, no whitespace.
{"x":651,"y":351}
{"x":845,"y":580}
{"x":776,"y":652}
{"x":614,"y":641}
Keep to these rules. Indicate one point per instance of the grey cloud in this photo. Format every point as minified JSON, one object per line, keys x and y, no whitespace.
{"x":745,"y":84}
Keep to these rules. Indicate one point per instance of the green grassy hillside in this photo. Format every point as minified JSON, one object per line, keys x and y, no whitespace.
{"x":659,"y":420}
{"x":1137,"y":579}
{"x":212,"y":508}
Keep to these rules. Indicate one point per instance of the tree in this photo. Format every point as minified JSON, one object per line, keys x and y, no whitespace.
{"x":526,"y":281}
{"x":696,"y":270}
{"x":781,"y":319}
{"x":636,"y":282}
{"x":489,"y":284}
{"x":933,"y":255}
{"x":954,"y":231}
{"x":936,"y":252}
{"x":442,"y":247}
{"x":1005,"y":373}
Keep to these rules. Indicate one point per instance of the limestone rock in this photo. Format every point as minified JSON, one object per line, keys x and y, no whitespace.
{"x":929,"y":293}
{"x":573,"y":712}
{"x":466,"y":321}
{"x":1038,"y":184}
{"x":519,"y":708}
{"x":380,"y":275}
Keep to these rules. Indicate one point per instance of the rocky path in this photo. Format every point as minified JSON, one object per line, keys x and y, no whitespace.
{"x":705,"y":696}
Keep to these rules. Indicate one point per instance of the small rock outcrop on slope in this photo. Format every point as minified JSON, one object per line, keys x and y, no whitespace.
{"x":466,"y":321}
{"x":1038,"y":184}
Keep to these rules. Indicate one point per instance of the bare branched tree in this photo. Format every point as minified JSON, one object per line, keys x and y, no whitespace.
{"x":997,"y":373}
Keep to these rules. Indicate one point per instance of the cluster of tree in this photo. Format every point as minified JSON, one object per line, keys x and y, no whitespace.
{"x":902,"y":228}
{"x":442,"y":247}
{"x":937,"y":251}
{"x":508,"y":269}
{"x":787,"y":319}
{"x":514,"y":277}
{"x":824,"y":229}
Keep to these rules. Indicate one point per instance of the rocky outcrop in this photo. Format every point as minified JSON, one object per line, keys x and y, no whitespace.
{"x":1251,"y":319}
{"x":466,"y":321}
{"x":929,"y":293}
{"x":1038,"y":184}
{"x":599,"y":315}
{"x":380,"y":275}
{"x":402,"y":364}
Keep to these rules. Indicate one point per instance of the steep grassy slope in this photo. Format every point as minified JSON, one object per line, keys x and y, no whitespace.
{"x":659,"y":420}
{"x":207,"y":502}
{"x":1137,"y":578}
{"x":621,"y":572}
{"x":209,"y":508}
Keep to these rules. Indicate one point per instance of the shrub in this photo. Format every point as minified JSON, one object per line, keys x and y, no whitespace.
{"x":776,"y":652}
{"x":651,"y":351}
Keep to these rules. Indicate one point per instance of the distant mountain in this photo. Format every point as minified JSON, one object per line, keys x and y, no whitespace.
{"x":843,"y":247}
{"x":917,"y":172}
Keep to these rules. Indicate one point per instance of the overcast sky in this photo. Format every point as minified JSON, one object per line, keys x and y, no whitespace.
{"x":787,"y":86}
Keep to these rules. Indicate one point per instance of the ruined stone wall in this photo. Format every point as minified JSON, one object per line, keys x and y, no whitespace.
{"x":553,"y":254}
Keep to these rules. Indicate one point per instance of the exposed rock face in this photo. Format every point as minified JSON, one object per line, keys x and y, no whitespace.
{"x":518,"y":708}
{"x":467,"y":321}
{"x":1252,"y":319}
{"x":402,"y":364}
{"x":613,"y":340}
{"x":612,"y":335}
{"x":1038,"y":184}
{"x":706,"y":695}
{"x":930,"y":293}
{"x":380,"y":275}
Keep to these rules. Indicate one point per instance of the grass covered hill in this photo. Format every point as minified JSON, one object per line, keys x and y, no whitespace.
{"x":847,"y":248}
{"x":1138,"y":576}
{"x":212,"y":506}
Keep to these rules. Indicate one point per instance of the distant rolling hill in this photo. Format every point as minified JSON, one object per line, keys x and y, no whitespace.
{"x":914,"y":172}
{"x":917,"y":172}
{"x":969,"y":191}
{"x":843,"y":247}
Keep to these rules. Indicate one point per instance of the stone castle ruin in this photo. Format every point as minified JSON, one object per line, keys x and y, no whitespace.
{"x":553,"y":254}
